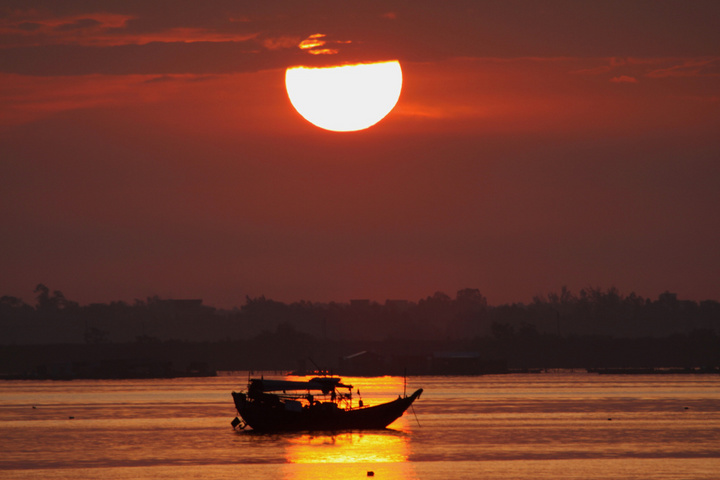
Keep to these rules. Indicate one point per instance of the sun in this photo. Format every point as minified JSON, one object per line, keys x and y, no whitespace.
{"x":345,"y":98}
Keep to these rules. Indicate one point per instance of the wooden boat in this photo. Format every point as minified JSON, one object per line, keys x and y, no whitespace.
{"x":315,"y":405}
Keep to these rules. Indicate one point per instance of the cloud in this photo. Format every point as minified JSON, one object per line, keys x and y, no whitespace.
{"x":109,"y":29}
{"x":315,"y":45}
{"x":612,"y":64}
{"x":270,"y":31}
{"x":28,"y":98}
{"x":704,"y":67}
{"x":80,"y":24}
{"x":599,"y":70}
{"x":152,"y":58}
{"x":35,"y":28}
{"x":29,"y":26}
{"x":279,"y":43}
{"x":320,"y":44}
{"x":630,"y":69}
{"x":624,"y":79}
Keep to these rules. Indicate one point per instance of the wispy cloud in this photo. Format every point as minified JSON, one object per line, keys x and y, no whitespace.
{"x":707,"y":67}
{"x":26,"y":99}
{"x":320,"y":44}
{"x":24,"y":28}
{"x":34,"y":28}
{"x":267,"y":35}
{"x":631,"y":69}
{"x":281,"y":42}
{"x":624,"y":79}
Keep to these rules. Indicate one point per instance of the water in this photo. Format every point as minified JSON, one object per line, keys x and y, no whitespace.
{"x":544,"y":426}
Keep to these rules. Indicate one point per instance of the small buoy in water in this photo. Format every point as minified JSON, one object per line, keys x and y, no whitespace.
{"x":371,"y":473}
{"x":687,"y":408}
{"x":34,"y":407}
{"x":609,"y":419}
{"x":71,"y":418}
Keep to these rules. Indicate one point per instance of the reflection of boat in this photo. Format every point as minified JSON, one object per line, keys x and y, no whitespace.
{"x":285,"y":405}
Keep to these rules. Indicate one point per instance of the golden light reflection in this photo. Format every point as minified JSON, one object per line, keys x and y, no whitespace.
{"x":351,"y":447}
{"x":349,"y":455}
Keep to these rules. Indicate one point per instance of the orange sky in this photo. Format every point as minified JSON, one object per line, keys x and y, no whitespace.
{"x":152,"y":150}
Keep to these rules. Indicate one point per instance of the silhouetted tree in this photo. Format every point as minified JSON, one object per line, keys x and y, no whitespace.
{"x":12,"y":302}
{"x":43,"y":297}
{"x":54,"y":302}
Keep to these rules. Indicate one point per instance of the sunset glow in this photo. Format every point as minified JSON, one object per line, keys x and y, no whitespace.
{"x":513,"y":147}
{"x":345,"y":98}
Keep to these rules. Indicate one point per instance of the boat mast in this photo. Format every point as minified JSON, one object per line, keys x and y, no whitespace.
{"x":405,"y":382}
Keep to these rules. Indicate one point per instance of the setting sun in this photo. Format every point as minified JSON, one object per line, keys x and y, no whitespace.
{"x":345,"y":98}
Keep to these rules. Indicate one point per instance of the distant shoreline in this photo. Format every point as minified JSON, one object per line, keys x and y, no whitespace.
{"x":599,"y":371}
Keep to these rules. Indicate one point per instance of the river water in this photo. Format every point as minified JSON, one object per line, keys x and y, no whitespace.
{"x":536,"y":426}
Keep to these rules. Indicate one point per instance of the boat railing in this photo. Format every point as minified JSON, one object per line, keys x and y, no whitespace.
{"x":342,"y":400}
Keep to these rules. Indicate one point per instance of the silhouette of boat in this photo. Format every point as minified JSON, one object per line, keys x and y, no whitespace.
{"x":315,"y":405}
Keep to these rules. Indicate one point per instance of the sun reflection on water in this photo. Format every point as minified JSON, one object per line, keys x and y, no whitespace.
{"x":351,"y":447}
{"x":349,"y":455}
{"x":354,"y":454}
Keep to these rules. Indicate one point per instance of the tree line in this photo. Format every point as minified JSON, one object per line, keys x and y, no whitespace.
{"x":53,"y":318}
{"x":596,"y":328}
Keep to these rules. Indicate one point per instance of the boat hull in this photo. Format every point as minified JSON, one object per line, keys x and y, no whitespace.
{"x":268,"y":417}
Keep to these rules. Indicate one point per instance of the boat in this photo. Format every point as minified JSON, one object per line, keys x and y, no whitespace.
{"x":319,"y":404}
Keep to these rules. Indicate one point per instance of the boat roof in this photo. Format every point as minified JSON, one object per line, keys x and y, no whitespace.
{"x":324,"y":384}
